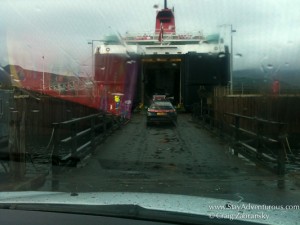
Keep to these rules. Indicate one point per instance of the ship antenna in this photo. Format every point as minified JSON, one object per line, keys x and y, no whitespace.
{"x":165,"y":4}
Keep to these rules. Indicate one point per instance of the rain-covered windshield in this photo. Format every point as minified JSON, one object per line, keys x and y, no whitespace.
{"x":77,"y":79}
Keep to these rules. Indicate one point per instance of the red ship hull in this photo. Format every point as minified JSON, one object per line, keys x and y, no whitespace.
{"x":114,"y":76}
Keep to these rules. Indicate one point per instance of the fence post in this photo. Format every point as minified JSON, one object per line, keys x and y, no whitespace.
{"x":13,"y":145}
{"x":93,"y":132}
{"x":281,"y":153}
{"x":201,"y":109}
{"x":104,"y":125}
{"x":74,"y":140}
{"x":280,"y":160}
{"x":17,"y":147}
{"x":237,"y":134}
{"x":22,"y":144}
{"x":259,"y":139}
{"x":209,"y":117}
{"x":55,"y":159}
{"x":194,"y":112}
{"x":221,"y":127}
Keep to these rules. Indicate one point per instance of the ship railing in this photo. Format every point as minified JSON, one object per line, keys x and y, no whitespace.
{"x":166,"y":36}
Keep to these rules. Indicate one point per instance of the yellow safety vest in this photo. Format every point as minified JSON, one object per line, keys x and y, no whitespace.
{"x":117,"y":98}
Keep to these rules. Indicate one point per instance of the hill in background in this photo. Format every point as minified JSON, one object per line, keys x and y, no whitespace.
{"x":262,"y":80}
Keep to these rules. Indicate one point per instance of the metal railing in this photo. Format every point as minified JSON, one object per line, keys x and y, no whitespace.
{"x":149,"y":36}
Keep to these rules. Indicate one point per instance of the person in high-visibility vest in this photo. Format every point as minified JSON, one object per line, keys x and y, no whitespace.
{"x":117,"y":101}
{"x":276,"y":87}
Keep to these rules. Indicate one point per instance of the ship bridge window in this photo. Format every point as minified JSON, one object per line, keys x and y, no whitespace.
{"x":165,"y":14}
{"x":165,"y":21}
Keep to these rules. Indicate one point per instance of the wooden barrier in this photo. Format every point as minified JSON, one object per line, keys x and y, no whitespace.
{"x":75,"y":139}
{"x":254,"y":147}
{"x":250,"y":143}
{"x":17,"y":143}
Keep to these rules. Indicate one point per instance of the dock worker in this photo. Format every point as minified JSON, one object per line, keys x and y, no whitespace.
{"x":275,"y":87}
{"x":117,"y":101}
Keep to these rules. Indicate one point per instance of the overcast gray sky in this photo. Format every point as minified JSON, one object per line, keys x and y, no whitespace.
{"x":268,"y":31}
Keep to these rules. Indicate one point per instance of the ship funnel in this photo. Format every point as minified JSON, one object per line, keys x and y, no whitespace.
{"x":165,"y":21}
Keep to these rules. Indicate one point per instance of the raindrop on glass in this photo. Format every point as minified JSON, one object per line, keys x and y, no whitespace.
{"x":222,"y":55}
{"x":238,"y":55}
{"x":38,"y":9}
{"x":262,"y":68}
{"x":270,"y":66}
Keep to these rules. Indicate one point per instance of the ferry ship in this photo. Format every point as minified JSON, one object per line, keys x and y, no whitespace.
{"x":129,"y":69}
{"x":178,"y":65}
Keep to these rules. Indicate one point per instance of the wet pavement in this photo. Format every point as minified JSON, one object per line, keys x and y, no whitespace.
{"x":182,"y":159}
